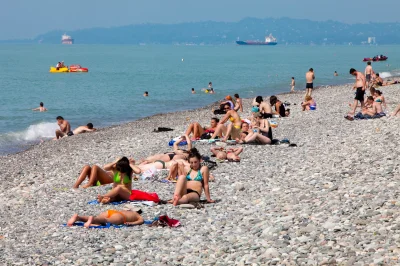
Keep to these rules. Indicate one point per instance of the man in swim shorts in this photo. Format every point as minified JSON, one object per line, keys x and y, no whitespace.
{"x":83,"y":129}
{"x":368,"y":73}
{"x":310,"y":81}
{"x":65,"y":128}
{"x":359,"y":86}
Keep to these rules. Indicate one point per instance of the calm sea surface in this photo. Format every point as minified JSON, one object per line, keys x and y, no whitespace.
{"x":111,"y":93}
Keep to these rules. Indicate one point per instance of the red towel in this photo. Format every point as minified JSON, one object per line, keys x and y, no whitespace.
{"x":171,"y":222}
{"x":141,"y":195}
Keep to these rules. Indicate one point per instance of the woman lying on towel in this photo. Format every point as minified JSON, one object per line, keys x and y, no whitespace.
{"x":110,"y":216}
{"x":174,"y":155}
{"x":191,"y":181}
{"x":231,"y":154}
{"x":98,"y":176}
{"x":122,"y":178}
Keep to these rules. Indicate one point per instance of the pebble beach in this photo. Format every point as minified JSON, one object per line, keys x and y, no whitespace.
{"x":332,"y":200}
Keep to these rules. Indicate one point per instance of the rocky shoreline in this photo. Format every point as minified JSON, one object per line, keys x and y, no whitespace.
{"x":333,"y":199}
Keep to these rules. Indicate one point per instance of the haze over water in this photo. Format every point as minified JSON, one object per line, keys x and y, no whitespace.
{"x":111,"y":93}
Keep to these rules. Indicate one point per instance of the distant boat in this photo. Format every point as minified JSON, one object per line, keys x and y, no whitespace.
{"x":269,"y":40}
{"x":66,"y":39}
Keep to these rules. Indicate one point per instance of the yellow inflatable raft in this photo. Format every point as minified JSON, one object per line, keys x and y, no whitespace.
{"x":60,"y":70}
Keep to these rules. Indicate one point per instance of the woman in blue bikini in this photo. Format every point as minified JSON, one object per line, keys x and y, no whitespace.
{"x":192,"y":181}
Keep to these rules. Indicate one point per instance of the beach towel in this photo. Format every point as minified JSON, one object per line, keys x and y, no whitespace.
{"x":182,"y":143}
{"x":164,"y":220}
{"x":136,"y":195}
{"x":107,"y":225}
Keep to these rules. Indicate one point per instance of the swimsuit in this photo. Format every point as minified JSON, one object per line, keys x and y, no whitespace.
{"x":112,"y":212}
{"x":266,"y":115}
{"x":309,"y":85}
{"x":368,"y":77}
{"x":360,"y":94}
{"x":198,"y":177}
{"x":117,"y":178}
{"x":162,"y":162}
{"x":191,"y":190}
{"x":282,"y":110}
{"x":378,"y":100}
{"x":170,"y":155}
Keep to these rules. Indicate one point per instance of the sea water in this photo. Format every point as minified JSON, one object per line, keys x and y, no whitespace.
{"x":112,"y":92}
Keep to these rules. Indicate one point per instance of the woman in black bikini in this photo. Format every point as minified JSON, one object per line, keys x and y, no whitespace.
{"x":175,"y":155}
{"x":192,"y":181}
{"x":279,"y":107}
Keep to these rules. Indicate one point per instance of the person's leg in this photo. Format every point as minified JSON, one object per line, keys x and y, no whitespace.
{"x":191,"y":197}
{"x":84,"y":173}
{"x":354,"y":107}
{"x":198,"y":130}
{"x":250,"y":137}
{"x":228,"y":132}
{"x":98,"y":174}
{"x":263,"y":139}
{"x":180,"y":189}
{"x":396,"y":111}
{"x":190,"y":129}
{"x":110,"y":196}
{"x":173,"y":171}
{"x":221,"y":129}
{"x":59,"y":134}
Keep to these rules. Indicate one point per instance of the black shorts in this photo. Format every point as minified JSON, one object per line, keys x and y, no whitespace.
{"x":310,"y":86}
{"x":359,"y":94}
{"x":368,"y":77}
{"x":266,"y":115}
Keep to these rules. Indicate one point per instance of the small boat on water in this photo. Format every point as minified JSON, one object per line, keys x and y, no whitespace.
{"x":65,"y":69}
{"x":375,"y":58}
{"x":269,"y":40}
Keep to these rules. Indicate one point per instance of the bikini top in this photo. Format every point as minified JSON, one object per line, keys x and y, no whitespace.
{"x":198,"y":177}
{"x":378,"y":100}
{"x":117,"y":178}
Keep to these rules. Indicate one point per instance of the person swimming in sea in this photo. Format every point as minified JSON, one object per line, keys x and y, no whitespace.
{"x":146,"y":94}
{"x":41,"y":108}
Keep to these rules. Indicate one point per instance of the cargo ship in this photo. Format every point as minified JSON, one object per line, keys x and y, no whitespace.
{"x":65,"y":39}
{"x":269,"y":40}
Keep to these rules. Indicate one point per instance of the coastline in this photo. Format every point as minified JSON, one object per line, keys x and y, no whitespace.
{"x":316,"y":203}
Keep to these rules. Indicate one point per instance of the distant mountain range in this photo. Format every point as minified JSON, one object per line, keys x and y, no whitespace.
{"x":286,"y":30}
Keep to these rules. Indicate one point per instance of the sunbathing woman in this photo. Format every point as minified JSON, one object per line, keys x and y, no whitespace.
{"x":198,"y":130}
{"x":380,"y":99}
{"x":192,"y":181}
{"x":238,"y":104}
{"x":122,"y":178}
{"x":110,"y":216}
{"x":230,"y":154}
{"x":233,"y":129}
{"x":96,"y":175}
{"x":279,"y":107}
{"x":176,"y":154}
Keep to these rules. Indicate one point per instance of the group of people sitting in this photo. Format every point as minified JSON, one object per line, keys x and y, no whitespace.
{"x":65,"y":128}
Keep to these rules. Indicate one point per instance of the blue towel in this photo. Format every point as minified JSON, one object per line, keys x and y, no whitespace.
{"x":95,"y":202}
{"x":182,"y":143}
{"x":108,"y":225}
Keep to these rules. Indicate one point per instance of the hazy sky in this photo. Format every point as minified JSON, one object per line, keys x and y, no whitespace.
{"x":28,"y":18}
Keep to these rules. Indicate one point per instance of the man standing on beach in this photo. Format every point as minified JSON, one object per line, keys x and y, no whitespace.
{"x":65,"y":128}
{"x":359,"y":86}
{"x":368,"y":73}
{"x":310,"y":81}
{"x":292,"y":85}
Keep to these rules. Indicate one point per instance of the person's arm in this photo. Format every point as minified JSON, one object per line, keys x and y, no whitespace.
{"x":254,"y":102}
{"x":135,"y":168}
{"x":264,"y":128}
{"x":139,"y":221}
{"x":313,"y":76}
{"x":364,"y":82}
{"x":384,"y":102}
{"x":36,"y":109}
{"x":189,"y":142}
{"x":206,"y":175}
{"x":225,"y":118}
{"x":111,"y":166}
{"x":238,"y":150}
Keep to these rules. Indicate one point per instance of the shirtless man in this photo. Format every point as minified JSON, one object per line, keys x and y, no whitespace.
{"x":292,"y":84}
{"x":41,"y":108}
{"x":238,"y":104}
{"x":197,"y":130}
{"x":83,"y":129}
{"x":378,"y":81}
{"x":359,"y":86}
{"x":310,"y":81}
{"x":368,"y":73}
{"x":233,"y":129}
{"x":263,"y":107}
{"x":65,"y":128}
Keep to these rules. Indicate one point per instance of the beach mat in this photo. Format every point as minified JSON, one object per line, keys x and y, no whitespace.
{"x":108,"y":225}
